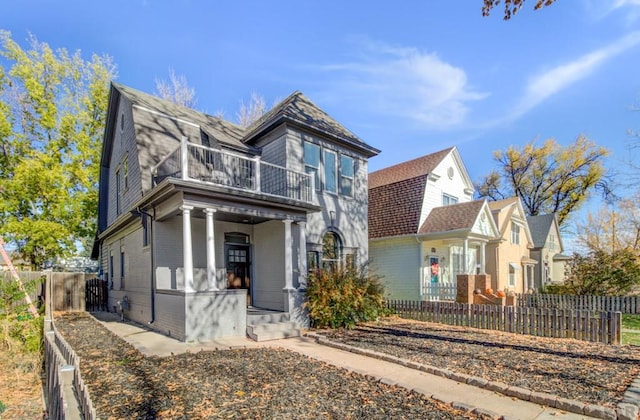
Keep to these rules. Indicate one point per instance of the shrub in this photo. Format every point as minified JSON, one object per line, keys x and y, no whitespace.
{"x":342,"y":297}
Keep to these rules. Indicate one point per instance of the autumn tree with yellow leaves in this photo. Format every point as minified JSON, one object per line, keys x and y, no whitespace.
{"x":548,"y":178}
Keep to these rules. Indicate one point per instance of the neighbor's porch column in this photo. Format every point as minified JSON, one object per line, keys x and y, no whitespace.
{"x":465,"y":253}
{"x":483,"y":257}
{"x":302,"y":255}
{"x":212,"y":281}
{"x":187,"y":248}
{"x":288,"y":255}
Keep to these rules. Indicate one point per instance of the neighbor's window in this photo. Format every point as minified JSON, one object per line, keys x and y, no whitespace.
{"x":330,"y":174}
{"x":512,"y":275}
{"x":515,"y":234}
{"x":312,"y":162}
{"x":346,"y":175}
{"x":447,"y":200}
{"x":111,"y":269}
{"x":331,"y":247}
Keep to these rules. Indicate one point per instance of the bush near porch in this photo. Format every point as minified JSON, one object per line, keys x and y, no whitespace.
{"x":341,"y":297}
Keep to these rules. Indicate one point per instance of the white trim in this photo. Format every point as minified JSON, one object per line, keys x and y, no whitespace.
{"x":151,"y":111}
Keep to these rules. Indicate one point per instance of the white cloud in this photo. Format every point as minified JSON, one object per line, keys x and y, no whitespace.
{"x":547,"y":84}
{"x":405,"y":82}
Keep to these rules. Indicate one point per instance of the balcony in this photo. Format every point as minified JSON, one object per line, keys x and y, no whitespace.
{"x":194,"y":162}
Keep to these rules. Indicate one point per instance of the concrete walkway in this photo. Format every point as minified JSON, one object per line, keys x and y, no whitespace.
{"x":443,"y":389}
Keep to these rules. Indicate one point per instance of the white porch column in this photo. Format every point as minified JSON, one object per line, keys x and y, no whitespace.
{"x":483,"y":258}
{"x":302,"y":255}
{"x":212,"y":282}
{"x":187,"y":248}
{"x":465,"y":252}
{"x":184,"y":157}
{"x":288,"y":256}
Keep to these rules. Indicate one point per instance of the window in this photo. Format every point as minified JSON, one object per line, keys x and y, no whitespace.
{"x":312,"y":162}
{"x":457,"y":261}
{"x":515,"y":234}
{"x":111,"y":269}
{"x":346,"y":175}
{"x":313,"y":260}
{"x":122,"y":267}
{"x":552,"y":242}
{"x":448,"y":200}
{"x":331,"y":248}
{"x":118,"y":191}
{"x":512,"y":275}
{"x":350,"y":260}
{"x":146,"y":231}
{"x":125,"y":172}
{"x":330,"y":175}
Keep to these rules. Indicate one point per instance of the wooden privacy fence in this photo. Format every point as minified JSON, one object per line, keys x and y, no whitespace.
{"x":624,"y":304}
{"x":542,"y":322}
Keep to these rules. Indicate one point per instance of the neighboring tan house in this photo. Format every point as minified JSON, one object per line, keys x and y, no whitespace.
{"x":547,"y":250}
{"x":508,"y":260}
{"x":423,"y":227}
{"x":199,"y":218}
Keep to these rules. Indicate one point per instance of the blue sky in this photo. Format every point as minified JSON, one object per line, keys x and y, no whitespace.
{"x":409,"y":78}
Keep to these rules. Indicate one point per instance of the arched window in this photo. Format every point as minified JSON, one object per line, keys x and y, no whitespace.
{"x":331,"y":251}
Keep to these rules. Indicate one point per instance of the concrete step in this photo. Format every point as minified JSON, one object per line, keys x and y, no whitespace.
{"x":273,"y":331}
{"x":267,"y":318}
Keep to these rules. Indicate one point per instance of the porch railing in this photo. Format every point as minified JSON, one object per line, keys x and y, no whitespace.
{"x":439,"y":291}
{"x":195,"y":162}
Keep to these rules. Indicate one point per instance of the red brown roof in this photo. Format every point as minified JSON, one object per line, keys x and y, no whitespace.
{"x":454,"y":217}
{"x":406,"y":170}
{"x":394,"y":209}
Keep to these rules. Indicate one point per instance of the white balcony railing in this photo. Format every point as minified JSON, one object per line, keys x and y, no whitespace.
{"x":200,"y":163}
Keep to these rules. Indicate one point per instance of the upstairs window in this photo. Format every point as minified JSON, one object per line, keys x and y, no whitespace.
{"x":346,"y":176}
{"x":125,"y":172}
{"x":515,"y":234}
{"x":312,"y":162}
{"x":448,"y":200}
{"x":330,"y":174}
{"x":118,"y":191}
{"x":552,"y":242}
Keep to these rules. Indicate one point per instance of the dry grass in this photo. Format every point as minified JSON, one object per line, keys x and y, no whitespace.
{"x":20,"y":385}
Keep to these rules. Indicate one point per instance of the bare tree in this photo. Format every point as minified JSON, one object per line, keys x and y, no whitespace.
{"x":251,"y":112}
{"x":176,"y":89}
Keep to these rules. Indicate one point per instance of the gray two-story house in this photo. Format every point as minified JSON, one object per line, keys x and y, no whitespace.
{"x":200,"y":219}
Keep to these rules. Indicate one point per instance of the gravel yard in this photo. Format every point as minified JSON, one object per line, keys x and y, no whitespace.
{"x":589,"y":372}
{"x":255,"y":383}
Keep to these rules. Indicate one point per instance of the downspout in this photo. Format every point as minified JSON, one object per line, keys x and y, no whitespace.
{"x":421,"y":269}
{"x":153,"y":271}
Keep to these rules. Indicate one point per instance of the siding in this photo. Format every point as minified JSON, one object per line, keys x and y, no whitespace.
{"x":398,"y":261}
{"x":452,"y":186}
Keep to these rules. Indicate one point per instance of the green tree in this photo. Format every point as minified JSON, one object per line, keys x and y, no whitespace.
{"x":511,"y":7}
{"x":548,"y":178}
{"x":52,"y":111}
{"x":601,"y":273}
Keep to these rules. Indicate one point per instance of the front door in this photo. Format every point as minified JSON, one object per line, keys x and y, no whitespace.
{"x":239,"y":268}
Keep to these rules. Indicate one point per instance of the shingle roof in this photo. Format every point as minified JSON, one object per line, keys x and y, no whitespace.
{"x":406,"y":170}
{"x":217,"y":128}
{"x":297,"y":108}
{"x":500,"y":204}
{"x":539,"y":227}
{"x":454,"y":217}
{"x":394,"y":209}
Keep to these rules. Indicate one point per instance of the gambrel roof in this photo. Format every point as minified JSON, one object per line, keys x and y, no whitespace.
{"x":406,"y":170}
